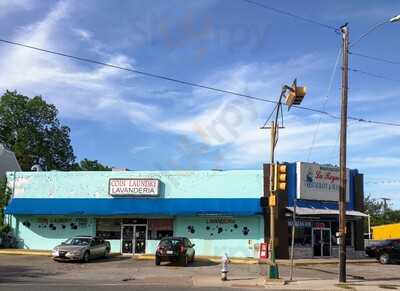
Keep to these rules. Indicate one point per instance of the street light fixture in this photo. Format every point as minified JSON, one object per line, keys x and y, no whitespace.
{"x":391,"y":20}
{"x":395,"y":19}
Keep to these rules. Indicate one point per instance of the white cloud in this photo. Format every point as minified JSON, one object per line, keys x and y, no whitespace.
{"x":82,"y":33}
{"x":10,"y":6}
{"x":79,"y":91}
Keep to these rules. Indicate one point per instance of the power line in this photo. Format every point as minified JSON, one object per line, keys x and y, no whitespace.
{"x":328,"y":91}
{"x":375,"y":58}
{"x":287,"y":13}
{"x":373,"y":75}
{"x":152,"y":75}
{"x":383,"y":182}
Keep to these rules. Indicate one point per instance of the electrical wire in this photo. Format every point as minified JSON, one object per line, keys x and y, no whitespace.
{"x":383,"y":182}
{"x":287,"y":13}
{"x":152,"y":75}
{"x":373,"y":75}
{"x":328,"y":91}
{"x":375,"y":58}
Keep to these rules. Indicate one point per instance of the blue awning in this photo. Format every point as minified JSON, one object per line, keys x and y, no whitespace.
{"x":133,"y":206}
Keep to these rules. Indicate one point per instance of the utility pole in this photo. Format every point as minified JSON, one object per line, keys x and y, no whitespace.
{"x":343,"y":144}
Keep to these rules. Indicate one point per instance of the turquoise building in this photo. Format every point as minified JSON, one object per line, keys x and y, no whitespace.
{"x":219,"y":211}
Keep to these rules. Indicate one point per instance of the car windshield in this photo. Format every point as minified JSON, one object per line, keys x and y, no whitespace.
{"x":77,"y":241}
{"x":170,"y":242}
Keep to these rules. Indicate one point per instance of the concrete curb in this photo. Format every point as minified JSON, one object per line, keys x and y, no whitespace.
{"x":23,"y":252}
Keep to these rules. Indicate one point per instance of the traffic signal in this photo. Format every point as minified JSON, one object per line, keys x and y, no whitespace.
{"x":280,"y":177}
{"x":296,"y":94}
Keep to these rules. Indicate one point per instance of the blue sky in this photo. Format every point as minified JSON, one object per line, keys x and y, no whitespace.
{"x":127,"y":120}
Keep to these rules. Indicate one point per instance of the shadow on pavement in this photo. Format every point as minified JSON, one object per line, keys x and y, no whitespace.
{"x":22,"y":273}
{"x":331,"y":272}
{"x":202,"y":263}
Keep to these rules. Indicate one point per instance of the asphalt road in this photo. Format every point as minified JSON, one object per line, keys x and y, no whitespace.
{"x":123,"y":273}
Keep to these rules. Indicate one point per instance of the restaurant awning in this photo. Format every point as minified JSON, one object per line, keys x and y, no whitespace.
{"x":309,"y":211}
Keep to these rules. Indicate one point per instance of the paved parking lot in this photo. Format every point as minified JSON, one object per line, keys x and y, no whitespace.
{"x":19,"y":269}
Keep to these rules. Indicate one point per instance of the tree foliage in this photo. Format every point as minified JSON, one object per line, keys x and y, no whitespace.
{"x":31,"y":128}
{"x":90,"y":165}
{"x":379,"y":212}
{"x":5,"y":195}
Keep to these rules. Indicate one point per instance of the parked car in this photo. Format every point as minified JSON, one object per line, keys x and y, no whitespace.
{"x":81,"y":248}
{"x":175,"y":249}
{"x":385,"y":251}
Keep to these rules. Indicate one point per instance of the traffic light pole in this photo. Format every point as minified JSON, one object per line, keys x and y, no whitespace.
{"x":273,"y":271}
{"x":343,"y":143}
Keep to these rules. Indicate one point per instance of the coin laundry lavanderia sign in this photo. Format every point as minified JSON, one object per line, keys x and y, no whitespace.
{"x":133,"y":187}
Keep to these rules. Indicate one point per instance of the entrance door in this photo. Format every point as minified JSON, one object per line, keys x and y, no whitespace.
{"x":321,"y":241}
{"x":140,"y":239}
{"x":133,"y":238}
{"x":127,"y":239}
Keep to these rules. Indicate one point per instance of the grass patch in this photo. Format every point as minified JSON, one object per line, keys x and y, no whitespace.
{"x":385,"y":286}
{"x":345,"y":286}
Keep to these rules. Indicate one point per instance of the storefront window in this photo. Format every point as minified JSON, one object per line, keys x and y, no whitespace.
{"x":349,"y":233}
{"x":159,"y":228}
{"x":108,"y":228}
{"x":302,"y":236}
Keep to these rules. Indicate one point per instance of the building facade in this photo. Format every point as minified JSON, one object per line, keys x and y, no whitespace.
{"x":220,"y":211}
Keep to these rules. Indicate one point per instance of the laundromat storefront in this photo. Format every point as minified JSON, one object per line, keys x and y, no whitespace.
{"x":219,"y":211}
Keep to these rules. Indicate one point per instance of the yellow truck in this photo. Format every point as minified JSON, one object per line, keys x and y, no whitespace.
{"x":386,"y":231}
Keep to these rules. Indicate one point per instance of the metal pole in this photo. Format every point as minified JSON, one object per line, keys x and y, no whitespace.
{"x":369,"y":226}
{"x":273,"y":269}
{"x":343,"y":144}
{"x":293,"y":233}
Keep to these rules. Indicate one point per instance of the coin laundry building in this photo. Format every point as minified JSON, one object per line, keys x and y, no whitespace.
{"x":220,"y":211}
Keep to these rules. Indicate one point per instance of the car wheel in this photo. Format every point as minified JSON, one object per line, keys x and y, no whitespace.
{"x":85,"y":257}
{"x":158,"y":260}
{"x":384,"y":259}
{"x":106,"y":253}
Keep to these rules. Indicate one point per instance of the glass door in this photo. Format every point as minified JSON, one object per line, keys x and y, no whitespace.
{"x":140,"y":239}
{"x":127,"y":239}
{"x":321,"y":241}
{"x":326,"y":242}
{"x":316,"y":242}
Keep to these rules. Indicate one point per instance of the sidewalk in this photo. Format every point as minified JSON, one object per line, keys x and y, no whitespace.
{"x":251,"y":261}
{"x":299,"y":284}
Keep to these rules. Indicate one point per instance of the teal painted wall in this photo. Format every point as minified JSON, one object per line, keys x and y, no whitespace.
{"x":237,"y":236}
{"x":35,"y":232}
{"x":174,"y":184}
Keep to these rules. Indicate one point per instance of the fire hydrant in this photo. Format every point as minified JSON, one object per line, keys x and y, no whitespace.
{"x":224,"y":270}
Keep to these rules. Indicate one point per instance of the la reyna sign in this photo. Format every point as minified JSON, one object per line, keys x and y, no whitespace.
{"x":319,"y":182}
{"x":133,"y":187}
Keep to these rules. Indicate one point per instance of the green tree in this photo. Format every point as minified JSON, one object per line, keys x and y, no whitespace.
{"x":31,"y":127}
{"x":379,"y":215}
{"x":5,"y":195}
{"x":90,"y":165}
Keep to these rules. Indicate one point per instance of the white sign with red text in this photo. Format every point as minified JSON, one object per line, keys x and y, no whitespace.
{"x":133,"y":187}
{"x":319,"y":182}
